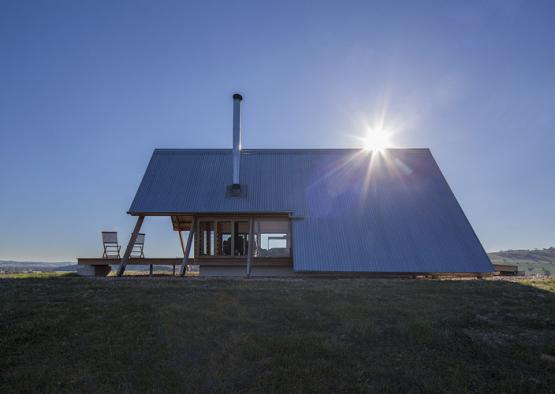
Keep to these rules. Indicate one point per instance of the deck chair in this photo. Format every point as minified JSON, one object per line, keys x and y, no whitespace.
{"x":110,"y":243}
{"x":138,"y":247}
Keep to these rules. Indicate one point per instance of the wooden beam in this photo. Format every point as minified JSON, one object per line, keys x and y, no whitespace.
{"x":131,"y":261}
{"x":207,"y":261}
{"x":181,"y":242}
{"x":290,"y":238}
{"x":232,"y":238}
{"x":250,"y":247}
{"x":187,"y":250}
{"x":130,"y":245}
{"x":196,"y":235}
{"x":217,"y":240}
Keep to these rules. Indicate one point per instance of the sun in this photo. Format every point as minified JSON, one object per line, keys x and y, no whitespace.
{"x":377,"y":140}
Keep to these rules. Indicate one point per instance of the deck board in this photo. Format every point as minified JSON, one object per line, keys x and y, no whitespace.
{"x":276,"y":262}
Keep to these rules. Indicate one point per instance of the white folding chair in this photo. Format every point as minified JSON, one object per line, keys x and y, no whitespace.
{"x":110,"y":243}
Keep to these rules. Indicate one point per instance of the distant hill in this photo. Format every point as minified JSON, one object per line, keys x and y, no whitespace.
{"x":28,"y":266}
{"x":531,"y":261}
{"x":10,"y":266}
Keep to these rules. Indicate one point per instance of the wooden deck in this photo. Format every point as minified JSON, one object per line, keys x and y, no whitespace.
{"x":203,"y":262}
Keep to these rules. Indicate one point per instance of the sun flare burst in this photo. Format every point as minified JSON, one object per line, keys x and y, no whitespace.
{"x":377,"y":139}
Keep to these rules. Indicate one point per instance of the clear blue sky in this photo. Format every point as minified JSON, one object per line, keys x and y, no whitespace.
{"x":89,"y":88}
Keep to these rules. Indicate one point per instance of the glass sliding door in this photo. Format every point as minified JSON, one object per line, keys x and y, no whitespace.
{"x":241,"y":231}
{"x":229,"y":236}
{"x":224,"y":238}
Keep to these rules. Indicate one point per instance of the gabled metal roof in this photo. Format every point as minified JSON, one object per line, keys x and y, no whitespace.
{"x":355,"y":211}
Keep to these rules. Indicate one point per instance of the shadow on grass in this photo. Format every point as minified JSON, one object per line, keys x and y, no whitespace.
{"x":67,"y":333}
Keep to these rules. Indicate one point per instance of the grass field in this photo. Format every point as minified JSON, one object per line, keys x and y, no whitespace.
{"x":67,"y":334}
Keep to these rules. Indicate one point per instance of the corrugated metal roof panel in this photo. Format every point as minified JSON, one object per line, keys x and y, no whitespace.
{"x":358,"y":211}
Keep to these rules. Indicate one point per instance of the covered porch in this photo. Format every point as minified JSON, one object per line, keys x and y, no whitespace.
{"x":213,"y":245}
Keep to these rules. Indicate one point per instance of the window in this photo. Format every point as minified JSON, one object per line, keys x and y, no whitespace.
{"x":206,"y":247}
{"x":272,"y":238}
{"x":224,"y":239}
{"x":229,"y":236}
{"x":241,"y":243}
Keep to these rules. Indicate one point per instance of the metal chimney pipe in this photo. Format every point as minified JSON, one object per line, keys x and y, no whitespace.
{"x":236,"y":137}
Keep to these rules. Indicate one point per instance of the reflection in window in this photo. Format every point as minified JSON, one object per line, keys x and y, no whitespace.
{"x":224,"y":238}
{"x":206,"y":238}
{"x":241,"y":238}
{"x":272,"y":238}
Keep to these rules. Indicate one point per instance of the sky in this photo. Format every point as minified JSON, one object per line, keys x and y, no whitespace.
{"x":89,"y":88}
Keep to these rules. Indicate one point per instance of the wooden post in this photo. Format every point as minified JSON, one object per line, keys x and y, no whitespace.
{"x":232,"y":238}
{"x":173,"y":273}
{"x":290,"y":237}
{"x":187,"y":249}
{"x":250,"y":248}
{"x":182,"y":249}
{"x":217,"y":240}
{"x":150,"y":270}
{"x":181,"y":242}
{"x":130,"y":245}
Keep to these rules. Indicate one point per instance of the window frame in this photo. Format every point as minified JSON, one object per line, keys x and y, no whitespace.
{"x":233,"y":219}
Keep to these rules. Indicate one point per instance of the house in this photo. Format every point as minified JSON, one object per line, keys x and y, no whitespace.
{"x":338,"y":211}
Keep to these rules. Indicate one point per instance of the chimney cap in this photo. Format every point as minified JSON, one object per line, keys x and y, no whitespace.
{"x":237,"y":96}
